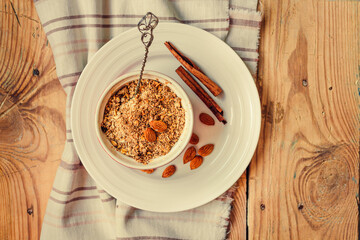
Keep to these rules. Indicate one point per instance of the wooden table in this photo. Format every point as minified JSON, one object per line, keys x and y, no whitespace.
{"x":303,"y":182}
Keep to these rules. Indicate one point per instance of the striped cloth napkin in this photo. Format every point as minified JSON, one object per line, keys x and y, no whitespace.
{"x":77,"y":207}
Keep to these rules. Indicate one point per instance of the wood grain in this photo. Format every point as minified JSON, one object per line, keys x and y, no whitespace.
{"x":32,"y":132}
{"x":238,"y":212}
{"x":304,"y":180}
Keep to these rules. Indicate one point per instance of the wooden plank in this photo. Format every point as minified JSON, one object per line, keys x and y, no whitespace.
{"x":304,"y":182}
{"x":32,"y":132}
{"x":238,"y":212}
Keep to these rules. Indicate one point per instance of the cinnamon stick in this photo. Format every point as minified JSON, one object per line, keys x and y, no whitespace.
{"x":200,"y":92}
{"x":194,"y":69}
{"x":218,"y":116}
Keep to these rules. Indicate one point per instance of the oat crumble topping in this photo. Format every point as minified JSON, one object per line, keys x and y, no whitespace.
{"x":126,"y":118}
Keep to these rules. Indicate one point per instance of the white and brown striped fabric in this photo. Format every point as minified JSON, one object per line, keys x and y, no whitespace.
{"x":76,"y":29}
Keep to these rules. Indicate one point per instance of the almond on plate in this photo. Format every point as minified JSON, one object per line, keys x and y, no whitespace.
{"x":158,"y":126}
{"x":150,"y":135}
{"x":206,"y":119}
{"x":189,"y":154}
{"x":148,"y":171}
{"x":206,"y":150}
{"x":194,"y":139}
{"x":170,"y":170}
{"x":196,"y":162}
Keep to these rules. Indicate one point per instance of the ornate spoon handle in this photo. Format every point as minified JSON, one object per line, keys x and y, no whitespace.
{"x":146,"y":26}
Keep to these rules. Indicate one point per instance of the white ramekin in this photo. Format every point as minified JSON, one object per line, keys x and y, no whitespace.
{"x":175,"y":150}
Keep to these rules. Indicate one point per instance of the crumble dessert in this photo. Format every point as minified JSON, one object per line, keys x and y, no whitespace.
{"x":128,"y":120}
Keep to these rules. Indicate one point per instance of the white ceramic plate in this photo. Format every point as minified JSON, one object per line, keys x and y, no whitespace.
{"x":234,"y":142}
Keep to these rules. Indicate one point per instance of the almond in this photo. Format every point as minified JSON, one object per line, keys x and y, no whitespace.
{"x":113,"y":143}
{"x":150,"y":135}
{"x":206,"y":150}
{"x":206,"y":119}
{"x":170,"y":170}
{"x":189,"y":154}
{"x":148,"y":171}
{"x":194,"y":139}
{"x":196,"y":162}
{"x":158,"y":126}
{"x":123,"y":151}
